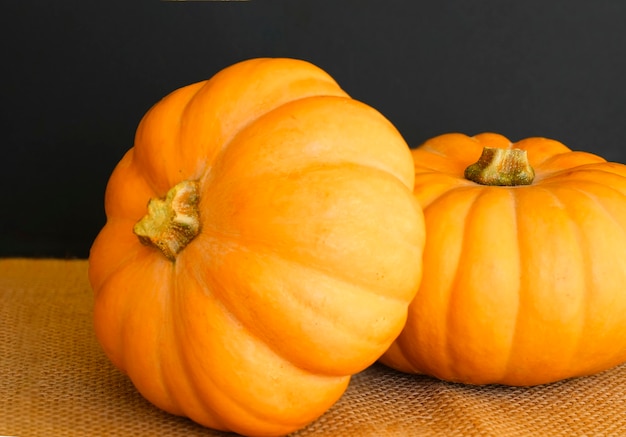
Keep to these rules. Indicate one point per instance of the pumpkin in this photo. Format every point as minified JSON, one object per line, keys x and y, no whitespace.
{"x":524,"y":277}
{"x":262,"y":245}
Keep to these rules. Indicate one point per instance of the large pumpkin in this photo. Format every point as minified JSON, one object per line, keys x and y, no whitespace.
{"x":524,"y":280}
{"x":262,"y":245}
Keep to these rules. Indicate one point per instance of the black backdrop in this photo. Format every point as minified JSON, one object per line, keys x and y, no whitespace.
{"x":78,"y":75}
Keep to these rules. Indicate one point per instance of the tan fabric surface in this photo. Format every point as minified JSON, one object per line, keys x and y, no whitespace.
{"x":55,"y":381}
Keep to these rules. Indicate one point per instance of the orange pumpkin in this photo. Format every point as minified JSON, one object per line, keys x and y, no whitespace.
{"x":277,"y":256}
{"x":524,"y":280}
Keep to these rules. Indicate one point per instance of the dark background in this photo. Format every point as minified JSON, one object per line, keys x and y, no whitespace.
{"x":77,"y":76}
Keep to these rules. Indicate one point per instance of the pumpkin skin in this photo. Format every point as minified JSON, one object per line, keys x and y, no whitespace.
{"x":522,"y":285}
{"x":307,"y":256}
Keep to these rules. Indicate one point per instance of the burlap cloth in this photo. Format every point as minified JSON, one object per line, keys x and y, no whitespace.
{"x":55,"y":381}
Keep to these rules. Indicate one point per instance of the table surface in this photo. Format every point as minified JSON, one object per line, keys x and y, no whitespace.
{"x":55,"y":380}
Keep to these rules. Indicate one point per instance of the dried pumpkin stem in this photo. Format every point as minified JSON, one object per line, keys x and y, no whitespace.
{"x":171,"y":222}
{"x":504,"y":167}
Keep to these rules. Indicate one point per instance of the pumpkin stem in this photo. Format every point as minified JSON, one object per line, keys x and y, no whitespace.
{"x":504,"y":167}
{"x":171,"y":222}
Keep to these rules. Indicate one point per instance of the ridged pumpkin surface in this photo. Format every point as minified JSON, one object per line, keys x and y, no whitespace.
{"x":307,"y":252}
{"x":522,"y":285}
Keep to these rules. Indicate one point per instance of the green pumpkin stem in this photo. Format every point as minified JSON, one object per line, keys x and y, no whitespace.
{"x":501,"y":167}
{"x":171,"y":222}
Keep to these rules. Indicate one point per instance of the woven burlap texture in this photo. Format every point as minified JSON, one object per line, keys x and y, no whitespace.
{"x":55,"y":381}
